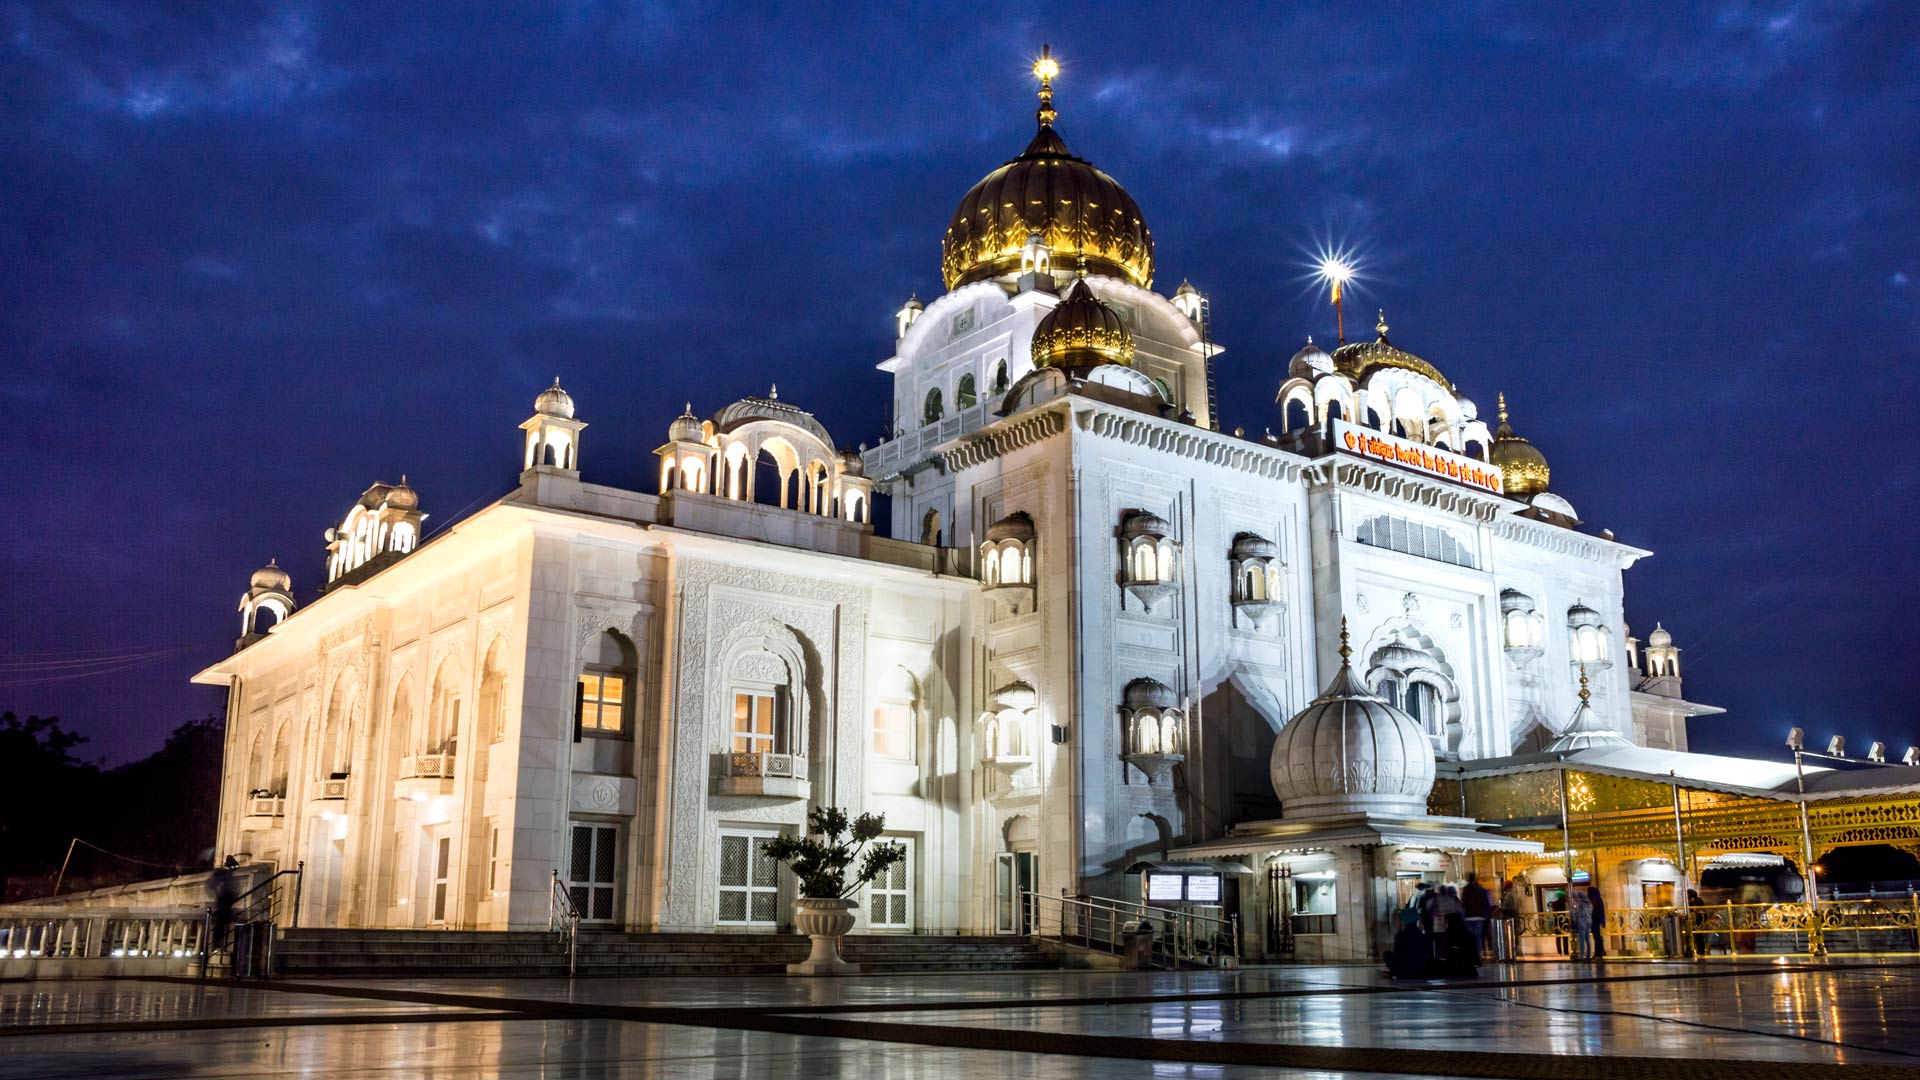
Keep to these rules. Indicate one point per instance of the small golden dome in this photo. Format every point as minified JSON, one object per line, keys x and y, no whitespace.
{"x":1081,"y":332}
{"x":1356,"y":359}
{"x":1523,"y":469}
{"x":1083,"y":215}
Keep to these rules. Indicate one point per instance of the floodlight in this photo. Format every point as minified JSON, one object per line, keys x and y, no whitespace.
{"x":1796,"y":739}
{"x":1877,"y":752}
{"x":1837,"y":746}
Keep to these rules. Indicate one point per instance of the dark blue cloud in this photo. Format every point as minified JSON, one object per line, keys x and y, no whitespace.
{"x":258,"y":255}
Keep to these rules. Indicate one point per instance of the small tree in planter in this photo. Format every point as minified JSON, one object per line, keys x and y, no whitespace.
{"x":821,"y":859}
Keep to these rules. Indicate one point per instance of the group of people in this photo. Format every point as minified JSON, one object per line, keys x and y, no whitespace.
{"x":1586,"y":913}
{"x":1446,"y":932}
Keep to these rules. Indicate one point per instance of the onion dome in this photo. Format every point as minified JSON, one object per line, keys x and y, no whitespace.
{"x":1397,"y":656}
{"x":1148,"y":694}
{"x":1660,"y":638}
{"x":1081,"y":332}
{"x":1351,"y":752}
{"x":1083,"y":215}
{"x":402,"y":497}
{"x":1586,"y":732}
{"x":685,"y":427}
{"x":851,"y":463}
{"x":271,"y":576}
{"x":1015,"y":695}
{"x":1523,"y":470}
{"x":1252,"y":546}
{"x":554,"y":401}
{"x":1356,"y":359}
{"x":1310,"y":362}
{"x":1142,"y":523}
{"x":1015,"y":526}
{"x":1515,"y":600}
{"x":1581,"y":615}
{"x":1186,"y":289}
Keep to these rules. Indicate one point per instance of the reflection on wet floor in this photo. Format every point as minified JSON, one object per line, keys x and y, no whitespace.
{"x":1837,"y":1016}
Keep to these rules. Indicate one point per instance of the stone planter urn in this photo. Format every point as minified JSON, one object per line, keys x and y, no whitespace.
{"x":825,"y":922}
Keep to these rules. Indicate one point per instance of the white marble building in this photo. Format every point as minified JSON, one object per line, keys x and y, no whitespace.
{"x":1098,"y":615}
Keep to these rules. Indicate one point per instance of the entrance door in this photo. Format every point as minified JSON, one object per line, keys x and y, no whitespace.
{"x":890,"y":897}
{"x":442,"y":855}
{"x":593,"y":871}
{"x":749,"y":881}
{"x":1014,"y":873}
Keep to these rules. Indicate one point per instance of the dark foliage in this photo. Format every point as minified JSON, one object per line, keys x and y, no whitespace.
{"x":820,"y":859}
{"x":147,"y":819}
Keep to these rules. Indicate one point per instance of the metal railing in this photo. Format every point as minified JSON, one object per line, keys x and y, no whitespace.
{"x":1095,"y":922}
{"x":563,"y":915}
{"x":1731,"y":929}
{"x":247,"y":937}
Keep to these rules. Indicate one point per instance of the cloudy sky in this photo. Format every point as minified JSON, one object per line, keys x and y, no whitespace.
{"x":256,"y":256}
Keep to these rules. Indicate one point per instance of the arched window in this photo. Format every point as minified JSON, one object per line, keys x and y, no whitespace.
{"x":1296,"y":416}
{"x":493,"y":693}
{"x":934,"y":408}
{"x":277,"y":771}
{"x":441,"y":732}
{"x":257,"y":752}
{"x":336,"y":734}
{"x":930,"y":528}
{"x":400,"y":719}
{"x":1000,"y":376}
{"x":964,"y":395}
{"x":605,"y":691}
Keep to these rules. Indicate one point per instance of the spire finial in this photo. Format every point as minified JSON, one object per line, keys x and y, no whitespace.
{"x":1381,"y":326}
{"x":1585,"y":694}
{"x":403,"y":479}
{"x":1503,"y":406}
{"x":1309,"y":339}
{"x":1346,"y":650}
{"x":1045,"y":69}
{"x":688,"y":411}
{"x":556,"y":382}
{"x":773,"y":392}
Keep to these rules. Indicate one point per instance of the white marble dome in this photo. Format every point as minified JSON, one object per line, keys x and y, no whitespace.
{"x":1350,"y":752}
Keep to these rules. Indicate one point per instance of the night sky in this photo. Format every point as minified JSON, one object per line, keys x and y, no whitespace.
{"x":255,"y":257}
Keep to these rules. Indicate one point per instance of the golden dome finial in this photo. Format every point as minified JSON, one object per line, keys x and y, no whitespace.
{"x":1381,"y":326}
{"x":1346,"y":650}
{"x":1585,"y":694}
{"x":1503,"y":406}
{"x":1045,"y":69}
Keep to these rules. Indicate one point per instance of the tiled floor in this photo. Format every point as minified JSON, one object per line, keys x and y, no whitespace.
{"x":1635,"y":1021}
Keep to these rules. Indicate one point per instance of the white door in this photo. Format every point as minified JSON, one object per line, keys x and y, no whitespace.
{"x":890,"y":897}
{"x":593,"y":872}
{"x":442,"y":855}
{"x":749,"y":881}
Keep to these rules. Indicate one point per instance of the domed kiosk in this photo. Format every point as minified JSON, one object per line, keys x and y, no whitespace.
{"x":1357,"y":831}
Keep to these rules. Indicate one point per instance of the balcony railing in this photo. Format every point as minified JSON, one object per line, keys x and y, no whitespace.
{"x":427,"y":767}
{"x":782,"y":775}
{"x":334,"y":788}
{"x":267,"y":806}
{"x":424,"y":775}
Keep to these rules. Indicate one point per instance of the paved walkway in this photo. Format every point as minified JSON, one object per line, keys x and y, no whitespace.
{"x":1643,"y":1022}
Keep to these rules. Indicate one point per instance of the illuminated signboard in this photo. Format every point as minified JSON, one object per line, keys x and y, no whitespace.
{"x":1457,"y":468}
{"x":1163,"y":886}
{"x":1204,"y":889}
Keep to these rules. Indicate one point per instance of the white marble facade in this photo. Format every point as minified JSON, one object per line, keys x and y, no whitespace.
{"x":1097,"y":614}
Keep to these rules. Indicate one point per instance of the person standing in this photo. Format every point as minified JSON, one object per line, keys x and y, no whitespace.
{"x":1581,"y":908}
{"x":1599,"y":906}
{"x":1476,"y":905}
{"x":1562,"y":929}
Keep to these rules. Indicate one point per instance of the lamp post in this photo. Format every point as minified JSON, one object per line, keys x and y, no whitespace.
{"x":1816,"y":941}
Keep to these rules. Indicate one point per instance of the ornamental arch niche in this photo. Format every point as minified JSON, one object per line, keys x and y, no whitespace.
{"x":1410,"y":670}
{"x":766,"y":661}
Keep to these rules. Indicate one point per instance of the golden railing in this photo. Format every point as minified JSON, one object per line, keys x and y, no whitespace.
{"x":1737,"y":928}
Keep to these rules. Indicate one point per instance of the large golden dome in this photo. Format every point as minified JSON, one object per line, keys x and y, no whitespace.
{"x":1523,"y":469}
{"x":1355,"y":359}
{"x":1085,"y":216}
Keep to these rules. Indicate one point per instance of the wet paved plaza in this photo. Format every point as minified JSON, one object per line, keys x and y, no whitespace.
{"x":1638,"y":1021}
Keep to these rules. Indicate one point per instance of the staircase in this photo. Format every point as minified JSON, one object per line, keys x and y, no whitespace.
{"x":514,"y":952}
